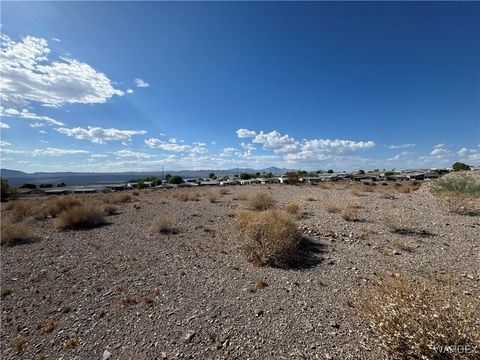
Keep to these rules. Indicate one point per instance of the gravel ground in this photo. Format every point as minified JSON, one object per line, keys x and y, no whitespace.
{"x":122,"y":291}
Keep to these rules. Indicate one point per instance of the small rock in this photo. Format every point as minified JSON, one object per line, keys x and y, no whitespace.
{"x":308,"y":326}
{"x":163,"y":355}
{"x":258,"y":312}
{"x":189,"y":335}
{"x":334,"y":324}
{"x":106,"y":355}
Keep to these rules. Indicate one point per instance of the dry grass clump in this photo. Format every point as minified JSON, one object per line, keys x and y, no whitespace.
{"x":260,"y":201}
{"x":268,"y":238}
{"x":185,"y":194}
{"x":19,"y":211}
{"x":223,"y":191}
{"x":212,"y":197}
{"x":109,"y":209}
{"x":49,"y":326}
{"x":162,"y":224}
{"x":18,"y":345}
{"x":81,"y":217}
{"x":292,"y":207}
{"x":463,"y":206}
{"x":259,"y":284}
{"x":421,"y":320}
{"x":15,"y":233}
{"x":71,"y":343}
{"x":331,"y":207}
{"x":240,"y":197}
{"x":350,"y":213}
{"x":386,"y":192}
{"x":119,"y":198}
{"x":461,"y":186}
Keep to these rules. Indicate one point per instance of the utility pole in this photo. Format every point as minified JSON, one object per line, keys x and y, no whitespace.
{"x":163,"y":173}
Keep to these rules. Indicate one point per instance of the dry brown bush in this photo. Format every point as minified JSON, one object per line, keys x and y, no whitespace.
{"x":422,"y":320}
{"x":223,"y":191}
{"x":268,"y":238}
{"x":119,"y":198}
{"x":292,"y":207}
{"x":331,"y":207}
{"x":350,"y":213}
{"x":15,"y":233}
{"x":109,"y":209}
{"x":185,"y":194}
{"x":72,"y":342}
{"x":162,"y":224}
{"x":212,"y":197}
{"x":19,"y":211}
{"x":241,"y":197}
{"x":463,"y":206}
{"x":81,"y":217}
{"x":260,"y":201}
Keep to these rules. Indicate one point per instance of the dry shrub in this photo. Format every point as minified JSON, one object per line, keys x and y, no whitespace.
{"x":325,"y":185}
{"x":423,"y":320}
{"x":81,"y":217}
{"x":49,"y":326}
{"x":135,"y":192}
{"x":268,"y":238}
{"x":331,"y":207}
{"x":19,"y":211}
{"x":71,"y":343}
{"x":463,"y":206}
{"x":223,"y":191}
{"x":185,"y":194}
{"x":386,"y":193}
{"x":292,"y":207}
{"x":109,"y":209}
{"x":15,"y":233}
{"x":350,"y":213}
{"x":119,"y":198}
{"x":241,"y":197}
{"x":162,"y":224}
{"x":18,"y":345}
{"x":259,"y":284}
{"x":212,"y":197}
{"x":260,"y":201}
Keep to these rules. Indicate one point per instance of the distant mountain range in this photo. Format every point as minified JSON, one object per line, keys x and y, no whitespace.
{"x":16,"y":177}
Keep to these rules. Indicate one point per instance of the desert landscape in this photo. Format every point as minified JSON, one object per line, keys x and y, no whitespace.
{"x":244,"y":272}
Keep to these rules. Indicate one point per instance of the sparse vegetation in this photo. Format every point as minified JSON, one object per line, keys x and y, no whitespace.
{"x":72,"y":342}
{"x":260,"y":201}
{"x":459,"y":186}
{"x":223,"y":191}
{"x":350,"y":213}
{"x":49,"y":326}
{"x":185,"y":194}
{"x":109,"y":209}
{"x":212,"y":197}
{"x":18,"y":345}
{"x":162,"y":224}
{"x":81,"y":217}
{"x":292,"y":207}
{"x":421,"y":320}
{"x":15,"y":233}
{"x":119,"y":198}
{"x":331,"y":207}
{"x":268,"y":238}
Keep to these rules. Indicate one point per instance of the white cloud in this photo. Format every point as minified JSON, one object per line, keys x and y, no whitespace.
{"x":4,"y":126}
{"x":4,"y":143}
{"x":129,"y":91}
{"x":132,"y":154}
{"x":402,"y":146}
{"x":245,"y":133}
{"x":439,"y":150}
{"x":25,"y":114}
{"x":471,"y":156}
{"x":306,"y":150}
{"x":11,"y":151}
{"x":57,"y":152}
{"x":174,"y":146}
{"x":56,"y":39}
{"x":29,"y":76}
{"x":99,"y":155}
{"x":141,"y":83}
{"x":99,"y":135}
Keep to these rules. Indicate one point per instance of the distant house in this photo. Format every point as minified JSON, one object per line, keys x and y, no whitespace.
{"x":84,"y":191}
{"x":186,"y":185}
{"x":208,"y":182}
{"x":228,"y":182}
{"x":30,"y":192}
{"x":58,"y":191}
{"x":116,"y":187}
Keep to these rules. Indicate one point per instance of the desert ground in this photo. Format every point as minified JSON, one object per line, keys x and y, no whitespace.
{"x":126,"y":291}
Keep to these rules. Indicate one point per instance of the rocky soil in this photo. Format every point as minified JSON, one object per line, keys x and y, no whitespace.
{"x":122,"y":292}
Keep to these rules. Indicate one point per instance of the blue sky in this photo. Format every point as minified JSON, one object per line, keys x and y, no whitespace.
{"x":118,"y":86}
